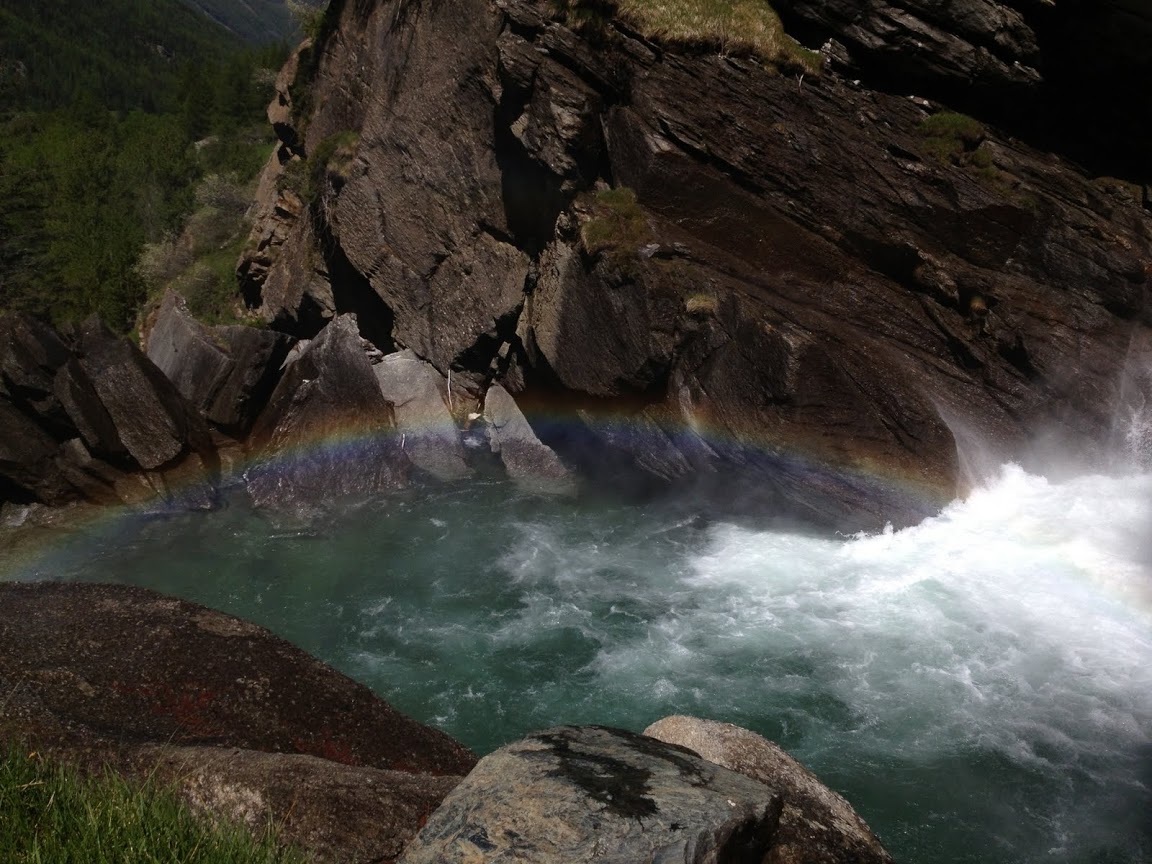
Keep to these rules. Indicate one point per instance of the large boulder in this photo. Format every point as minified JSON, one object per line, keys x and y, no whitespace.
{"x":327,"y":431}
{"x":78,"y":396}
{"x":338,"y":813}
{"x":27,"y":468}
{"x":103,"y":665}
{"x":817,"y":826}
{"x":154,"y":422}
{"x":245,"y":726}
{"x":79,"y":418}
{"x":227,"y":372}
{"x":30,"y":354}
{"x":446,"y":263}
{"x":531,"y":464}
{"x":591,"y":794}
{"x":428,"y":433}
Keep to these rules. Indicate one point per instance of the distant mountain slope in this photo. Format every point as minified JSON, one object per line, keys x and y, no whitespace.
{"x":251,"y":20}
{"x":120,"y":53}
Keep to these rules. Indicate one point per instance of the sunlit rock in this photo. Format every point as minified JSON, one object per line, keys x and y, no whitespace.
{"x":245,"y":726}
{"x":531,"y":464}
{"x":817,"y":826}
{"x":591,"y":794}
{"x":227,"y":372}
{"x":428,"y":434}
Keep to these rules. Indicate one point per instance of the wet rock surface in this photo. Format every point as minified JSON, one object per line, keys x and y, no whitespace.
{"x":817,"y":826}
{"x":573,"y":794}
{"x":529,"y":463}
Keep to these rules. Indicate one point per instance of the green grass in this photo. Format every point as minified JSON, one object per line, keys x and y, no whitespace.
{"x":948,"y":135}
{"x":617,"y":226}
{"x":51,"y":815}
{"x":740,"y":27}
{"x":957,"y":139}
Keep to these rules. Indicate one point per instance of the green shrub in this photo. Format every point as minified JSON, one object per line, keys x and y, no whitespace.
{"x":161,"y":262}
{"x":225,"y":193}
{"x":329,"y":163}
{"x":200,"y":263}
{"x":1122,"y":189}
{"x":951,"y":124}
{"x":53,"y":814}
{"x":294,"y":177}
{"x":586,"y":15}
{"x":309,"y":17}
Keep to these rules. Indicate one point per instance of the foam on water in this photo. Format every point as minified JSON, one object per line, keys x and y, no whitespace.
{"x":979,"y":685}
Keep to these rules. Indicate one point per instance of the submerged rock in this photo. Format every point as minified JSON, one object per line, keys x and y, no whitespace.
{"x":327,"y":432}
{"x":817,"y":826}
{"x":429,"y":436}
{"x":531,"y":464}
{"x":591,"y":794}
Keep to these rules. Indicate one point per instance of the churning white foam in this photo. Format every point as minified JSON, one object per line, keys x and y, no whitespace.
{"x":1017,"y":620}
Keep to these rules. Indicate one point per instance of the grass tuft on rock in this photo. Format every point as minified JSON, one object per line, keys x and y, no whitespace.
{"x":50,"y":814}
{"x":948,"y":135}
{"x":735,"y":27}
{"x":617,"y":225}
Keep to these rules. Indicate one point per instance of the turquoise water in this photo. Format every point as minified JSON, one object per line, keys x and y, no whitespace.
{"x":979,"y":686}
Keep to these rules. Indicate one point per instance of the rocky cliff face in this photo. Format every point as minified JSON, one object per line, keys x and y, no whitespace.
{"x":799,"y":281}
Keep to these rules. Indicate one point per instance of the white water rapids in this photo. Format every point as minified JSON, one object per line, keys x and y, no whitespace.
{"x":979,"y":685}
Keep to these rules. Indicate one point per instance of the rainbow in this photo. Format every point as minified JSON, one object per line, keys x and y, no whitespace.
{"x":347,"y":449}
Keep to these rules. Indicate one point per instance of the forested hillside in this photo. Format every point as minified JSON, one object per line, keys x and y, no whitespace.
{"x":110,"y":113}
{"x":253,"y":20}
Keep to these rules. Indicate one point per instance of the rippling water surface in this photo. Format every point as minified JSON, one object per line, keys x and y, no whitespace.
{"x":979,"y":686}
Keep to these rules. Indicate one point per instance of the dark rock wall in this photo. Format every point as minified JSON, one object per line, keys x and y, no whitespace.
{"x":1070,"y":75}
